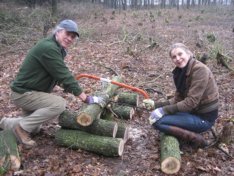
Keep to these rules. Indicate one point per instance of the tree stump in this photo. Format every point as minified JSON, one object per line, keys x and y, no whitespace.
{"x":103,"y":145}
{"x":170,"y":154}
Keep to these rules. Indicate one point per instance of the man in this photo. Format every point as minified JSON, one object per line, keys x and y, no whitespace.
{"x":42,"y":69}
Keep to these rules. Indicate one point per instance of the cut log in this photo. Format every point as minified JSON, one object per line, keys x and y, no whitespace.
{"x":89,"y":114}
{"x":123,"y":132}
{"x":123,"y":112}
{"x":93,"y":111}
{"x":99,"y":126}
{"x":127,"y":99}
{"x":103,"y":145}
{"x":170,"y":154}
{"x":123,"y":129}
{"x":9,"y":154}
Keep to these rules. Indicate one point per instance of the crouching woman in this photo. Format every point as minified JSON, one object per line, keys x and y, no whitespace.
{"x":194,"y":108}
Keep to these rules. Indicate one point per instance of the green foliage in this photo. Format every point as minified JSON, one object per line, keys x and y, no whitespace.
{"x":9,"y":19}
{"x":159,"y":13}
{"x":215,"y":49}
{"x":211,"y":37}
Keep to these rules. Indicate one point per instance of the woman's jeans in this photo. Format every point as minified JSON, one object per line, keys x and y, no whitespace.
{"x":183,"y":120}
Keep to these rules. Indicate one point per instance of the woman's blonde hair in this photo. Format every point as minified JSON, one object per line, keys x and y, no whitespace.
{"x":182,"y":46}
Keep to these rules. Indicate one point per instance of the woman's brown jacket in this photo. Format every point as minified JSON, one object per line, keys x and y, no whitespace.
{"x":201,"y":95}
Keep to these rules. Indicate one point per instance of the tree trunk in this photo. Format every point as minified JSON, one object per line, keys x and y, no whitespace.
{"x":99,"y":126}
{"x":123,"y":112}
{"x":76,"y":139}
{"x":93,"y":111}
{"x":130,"y":99}
{"x":170,"y":154}
{"x":54,"y":7}
{"x":9,"y":155}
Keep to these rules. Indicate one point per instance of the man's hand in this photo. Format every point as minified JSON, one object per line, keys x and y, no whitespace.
{"x":156,"y":115}
{"x":95,"y":99}
{"x":148,"y":104}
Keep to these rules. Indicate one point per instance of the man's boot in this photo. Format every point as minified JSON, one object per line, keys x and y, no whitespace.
{"x":23,"y":137}
{"x":196,"y":138}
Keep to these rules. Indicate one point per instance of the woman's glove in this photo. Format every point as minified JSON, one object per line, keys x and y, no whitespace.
{"x":148,"y":104}
{"x":156,"y":115}
{"x":94,"y":99}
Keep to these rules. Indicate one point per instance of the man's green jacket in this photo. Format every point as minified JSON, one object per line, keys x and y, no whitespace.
{"x":43,"y":68}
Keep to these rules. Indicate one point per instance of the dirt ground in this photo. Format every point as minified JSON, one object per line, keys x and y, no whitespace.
{"x":133,"y":44}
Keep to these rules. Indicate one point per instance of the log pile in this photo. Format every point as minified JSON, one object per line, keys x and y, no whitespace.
{"x":99,"y":129}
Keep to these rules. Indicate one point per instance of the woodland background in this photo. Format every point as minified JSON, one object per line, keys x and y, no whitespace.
{"x":131,"y":39}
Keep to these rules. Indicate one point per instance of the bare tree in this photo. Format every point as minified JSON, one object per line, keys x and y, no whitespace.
{"x":54,"y":7}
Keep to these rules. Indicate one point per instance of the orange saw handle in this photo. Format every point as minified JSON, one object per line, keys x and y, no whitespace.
{"x":135,"y":89}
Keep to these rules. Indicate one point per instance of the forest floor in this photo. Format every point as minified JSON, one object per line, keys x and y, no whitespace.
{"x":135,"y":45}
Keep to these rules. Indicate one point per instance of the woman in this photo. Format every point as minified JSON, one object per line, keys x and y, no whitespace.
{"x":194,"y":107}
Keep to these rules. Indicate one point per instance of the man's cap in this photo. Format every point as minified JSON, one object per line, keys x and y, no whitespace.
{"x":69,"y":26}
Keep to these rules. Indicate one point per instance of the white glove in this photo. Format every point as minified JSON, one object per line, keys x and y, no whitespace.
{"x":156,"y":115}
{"x":148,"y":104}
{"x":95,"y":99}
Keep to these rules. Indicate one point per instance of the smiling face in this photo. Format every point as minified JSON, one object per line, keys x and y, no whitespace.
{"x":180,"y":57}
{"x":65,"y":38}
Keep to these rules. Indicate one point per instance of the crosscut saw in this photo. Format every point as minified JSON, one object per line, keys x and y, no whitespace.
{"x":135,"y":89}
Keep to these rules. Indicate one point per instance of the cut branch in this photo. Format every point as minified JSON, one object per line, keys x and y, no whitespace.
{"x":103,"y":145}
